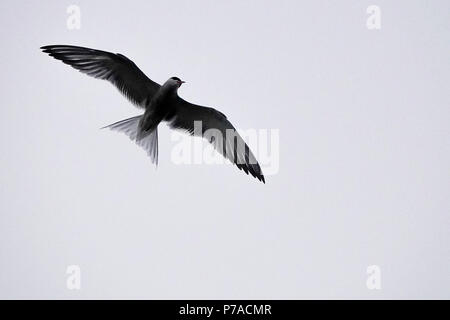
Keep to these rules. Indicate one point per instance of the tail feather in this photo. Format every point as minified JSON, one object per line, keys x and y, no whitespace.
{"x":131,"y":128}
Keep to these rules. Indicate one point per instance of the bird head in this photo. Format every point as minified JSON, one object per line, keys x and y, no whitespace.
{"x":175,"y":82}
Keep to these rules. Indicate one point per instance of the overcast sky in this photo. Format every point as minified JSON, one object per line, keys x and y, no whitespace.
{"x":363,"y":119}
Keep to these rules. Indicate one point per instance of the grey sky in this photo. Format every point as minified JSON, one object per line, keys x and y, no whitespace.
{"x":363,"y":118}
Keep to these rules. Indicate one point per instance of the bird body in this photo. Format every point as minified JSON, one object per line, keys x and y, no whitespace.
{"x":161,"y":104}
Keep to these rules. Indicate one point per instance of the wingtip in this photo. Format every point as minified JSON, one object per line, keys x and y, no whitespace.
{"x":46,"y":47}
{"x":52,"y":47}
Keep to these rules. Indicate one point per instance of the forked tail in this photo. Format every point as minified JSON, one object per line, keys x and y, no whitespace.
{"x":130,"y":127}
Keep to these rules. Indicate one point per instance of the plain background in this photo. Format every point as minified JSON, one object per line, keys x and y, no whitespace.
{"x":364,"y":152}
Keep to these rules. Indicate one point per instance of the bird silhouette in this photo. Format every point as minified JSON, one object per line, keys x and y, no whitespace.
{"x":161,"y":104}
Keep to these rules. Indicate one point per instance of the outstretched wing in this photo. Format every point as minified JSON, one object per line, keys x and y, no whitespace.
{"x":230,"y":145}
{"x":116,"y":68}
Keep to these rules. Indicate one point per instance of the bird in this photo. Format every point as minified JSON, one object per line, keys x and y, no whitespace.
{"x":161,"y":103}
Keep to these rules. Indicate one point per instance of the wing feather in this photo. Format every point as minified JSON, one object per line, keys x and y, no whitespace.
{"x":115,"y":68}
{"x":232,"y":146}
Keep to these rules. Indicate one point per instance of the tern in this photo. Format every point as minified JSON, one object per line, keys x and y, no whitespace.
{"x":161,"y":104}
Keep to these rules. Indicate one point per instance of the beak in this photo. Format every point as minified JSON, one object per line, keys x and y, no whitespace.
{"x":182,"y":81}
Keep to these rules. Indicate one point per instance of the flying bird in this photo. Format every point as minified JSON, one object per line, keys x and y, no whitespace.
{"x":161,"y":104}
